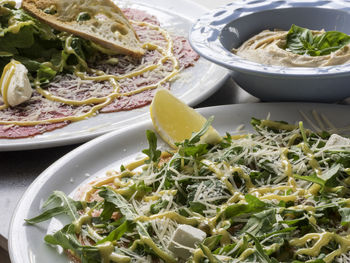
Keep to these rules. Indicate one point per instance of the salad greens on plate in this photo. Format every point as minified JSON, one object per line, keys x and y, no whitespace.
{"x":42,"y":50}
{"x":278,"y":195}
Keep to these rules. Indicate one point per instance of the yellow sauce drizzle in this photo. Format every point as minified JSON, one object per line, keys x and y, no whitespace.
{"x":220,"y":174}
{"x":246,"y":254}
{"x":149,"y":242}
{"x":193,"y":221}
{"x":322,"y":239}
{"x":243,"y":175}
{"x":106,"y":250}
{"x":101,"y":102}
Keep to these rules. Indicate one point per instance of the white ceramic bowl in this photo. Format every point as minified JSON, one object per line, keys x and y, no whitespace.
{"x":215,"y":34}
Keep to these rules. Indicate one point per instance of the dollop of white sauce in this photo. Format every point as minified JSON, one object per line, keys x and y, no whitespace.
{"x":19,"y":89}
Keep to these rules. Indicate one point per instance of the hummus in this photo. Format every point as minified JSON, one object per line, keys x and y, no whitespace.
{"x":268,"y":48}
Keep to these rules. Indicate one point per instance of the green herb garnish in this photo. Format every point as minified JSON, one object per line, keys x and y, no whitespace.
{"x":302,"y":41}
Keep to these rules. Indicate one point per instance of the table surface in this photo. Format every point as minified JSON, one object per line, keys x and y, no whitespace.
{"x":19,"y":169}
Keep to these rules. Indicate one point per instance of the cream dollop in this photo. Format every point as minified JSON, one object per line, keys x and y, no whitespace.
{"x":15,"y":84}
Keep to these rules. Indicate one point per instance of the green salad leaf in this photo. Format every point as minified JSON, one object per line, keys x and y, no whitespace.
{"x":60,"y":204}
{"x":302,"y":41}
{"x":158,"y":206}
{"x":152,"y":152}
{"x":42,"y":50}
{"x":263,"y":257}
{"x":119,"y":201}
{"x":67,"y":239}
{"x":261,"y":223}
{"x":253,"y":205}
{"x":117,"y":233}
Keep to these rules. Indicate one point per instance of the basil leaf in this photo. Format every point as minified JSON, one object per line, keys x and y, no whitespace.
{"x":330,"y":41}
{"x":301,"y":41}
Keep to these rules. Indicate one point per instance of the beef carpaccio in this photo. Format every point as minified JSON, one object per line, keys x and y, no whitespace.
{"x":113,"y":83}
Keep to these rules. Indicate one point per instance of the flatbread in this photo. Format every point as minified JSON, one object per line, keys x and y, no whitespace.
{"x":100,"y":21}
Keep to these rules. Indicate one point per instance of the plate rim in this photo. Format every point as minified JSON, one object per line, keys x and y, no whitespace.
{"x":33,"y":143}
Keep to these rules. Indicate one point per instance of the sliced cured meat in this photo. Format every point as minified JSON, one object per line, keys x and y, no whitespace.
{"x":73,"y":88}
{"x":113,"y":83}
{"x":184,"y":53}
{"x":131,"y":102}
{"x":140,"y":15}
{"x":16,"y":132}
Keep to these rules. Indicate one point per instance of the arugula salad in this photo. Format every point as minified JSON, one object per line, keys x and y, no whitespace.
{"x":280,"y":194}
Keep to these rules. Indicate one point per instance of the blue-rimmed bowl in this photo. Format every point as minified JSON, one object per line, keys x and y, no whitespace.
{"x":215,"y":34}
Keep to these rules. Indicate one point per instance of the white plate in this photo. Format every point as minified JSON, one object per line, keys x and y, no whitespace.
{"x":193,"y":88}
{"x":108,"y":152}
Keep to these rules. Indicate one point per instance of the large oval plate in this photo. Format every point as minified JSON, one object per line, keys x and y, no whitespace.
{"x":26,"y":244}
{"x":193,"y":86}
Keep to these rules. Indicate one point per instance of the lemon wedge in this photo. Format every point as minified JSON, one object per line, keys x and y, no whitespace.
{"x":174,"y":121}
